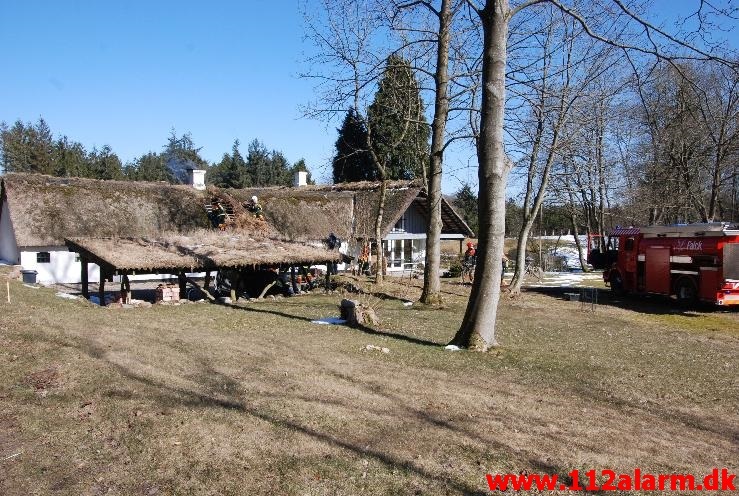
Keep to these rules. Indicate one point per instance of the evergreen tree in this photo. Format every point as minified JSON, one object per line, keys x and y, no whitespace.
{"x":258,"y":164}
{"x":105,"y":164}
{"x":352,"y":161}
{"x":151,"y":167}
{"x":279,"y":170}
{"x":27,"y":147}
{"x":70,"y":158}
{"x":231,"y":172}
{"x":466,"y":201}
{"x":398,"y":129}
{"x":180,"y":154}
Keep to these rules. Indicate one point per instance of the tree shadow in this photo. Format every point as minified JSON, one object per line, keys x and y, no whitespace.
{"x":212,"y":380}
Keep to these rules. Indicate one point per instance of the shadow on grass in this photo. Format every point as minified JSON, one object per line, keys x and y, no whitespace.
{"x":649,"y":304}
{"x":212,"y":380}
{"x":395,"y":335}
{"x":361,"y":328}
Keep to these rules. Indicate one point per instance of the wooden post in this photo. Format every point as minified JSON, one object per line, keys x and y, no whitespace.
{"x":327,"y":289}
{"x":206,"y":283}
{"x":85,"y":278}
{"x":183,"y":285}
{"x":235,"y":284}
{"x":101,"y":288}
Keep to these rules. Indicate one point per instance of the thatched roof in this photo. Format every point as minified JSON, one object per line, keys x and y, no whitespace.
{"x":303,"y":214}
{"x":348,"y":210}
{"x":45,"y":210}
{"x":197,"y":251}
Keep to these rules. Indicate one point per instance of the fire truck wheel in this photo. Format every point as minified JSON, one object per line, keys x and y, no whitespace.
{"x":686,"y":290}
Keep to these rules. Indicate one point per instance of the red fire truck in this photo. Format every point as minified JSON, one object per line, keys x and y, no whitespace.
{"x":692,"y":262}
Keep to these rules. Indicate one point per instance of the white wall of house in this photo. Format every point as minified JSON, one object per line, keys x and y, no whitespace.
{"x":63,"y":265}
{"x":8,"y":246}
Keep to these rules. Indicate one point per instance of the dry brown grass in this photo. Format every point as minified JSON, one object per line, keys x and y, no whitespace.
{"x":206,"y":399}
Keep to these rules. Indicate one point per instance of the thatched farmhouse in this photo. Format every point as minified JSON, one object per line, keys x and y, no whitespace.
{"x":53,"y":225}
{"x":349,"y":210}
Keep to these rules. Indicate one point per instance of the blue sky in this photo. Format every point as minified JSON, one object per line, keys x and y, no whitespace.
{"x":125,"y":73}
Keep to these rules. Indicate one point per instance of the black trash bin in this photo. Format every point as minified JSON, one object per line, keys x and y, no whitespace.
{"x":29,"y":276}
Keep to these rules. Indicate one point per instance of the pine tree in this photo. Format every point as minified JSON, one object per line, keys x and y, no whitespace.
{"x":466,"y":201}
{"x":399,"y":132}
{"x":70,"y":158}
{"x":26,"y":147}
{"x":258,"y":164}
{"x":151,"y":167}
{"x":180,"y":154}
{"x":105,"y":164}
{"x":352,"y":161}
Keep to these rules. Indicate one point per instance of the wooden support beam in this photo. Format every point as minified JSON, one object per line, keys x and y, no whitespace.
{"x":206,"y":283}
{"x":266,"y":288}
{"x":235,"y":284}
{"x":85,"y":278}
{"x":327,"y":289}
{"x":182,"y":278}
{"x":204,"y":290}
{"x":101,"y":288}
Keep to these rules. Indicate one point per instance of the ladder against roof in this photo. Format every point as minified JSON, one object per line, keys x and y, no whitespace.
{"x":227,"y":204}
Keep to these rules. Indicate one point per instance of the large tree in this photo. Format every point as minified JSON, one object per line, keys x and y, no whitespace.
{"x":352,"y":162}
{"x":466,"y":202}
{"x":150,"y":167}
{"x":104,"y":164}
{"x":27,"y":147}
{"x":231,"y":171}
{"x":181,"y":154}
{"x":478,"y":325}
{"x":399,"y":131}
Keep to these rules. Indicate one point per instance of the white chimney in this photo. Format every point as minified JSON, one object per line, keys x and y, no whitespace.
{"x":300,"y":179}
{"x":197,"y":178}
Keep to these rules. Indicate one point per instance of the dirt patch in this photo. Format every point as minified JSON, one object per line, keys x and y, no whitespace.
{"x":43,"y":380}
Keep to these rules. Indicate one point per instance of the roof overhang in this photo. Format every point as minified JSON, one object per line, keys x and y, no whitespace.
{"x":194,"y":254}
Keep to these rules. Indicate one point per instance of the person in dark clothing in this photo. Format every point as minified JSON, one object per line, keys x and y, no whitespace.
{"x":218,"y":214}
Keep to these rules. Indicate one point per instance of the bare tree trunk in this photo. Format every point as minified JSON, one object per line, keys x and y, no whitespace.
{"x":578,"y":244}
{"x":477,"y":331}
{"x":378,"y":232}
{"x":431,"y":284}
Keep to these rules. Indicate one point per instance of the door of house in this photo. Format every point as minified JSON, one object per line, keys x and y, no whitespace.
{"x":394,"y":253}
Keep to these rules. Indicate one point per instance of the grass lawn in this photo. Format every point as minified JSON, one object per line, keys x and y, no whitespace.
{"x":208,"y":399}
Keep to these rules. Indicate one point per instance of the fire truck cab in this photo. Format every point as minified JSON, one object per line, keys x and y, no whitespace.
{"x":691,"y":262}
